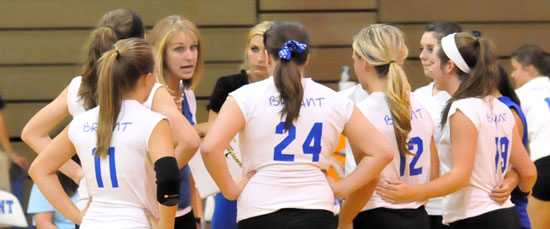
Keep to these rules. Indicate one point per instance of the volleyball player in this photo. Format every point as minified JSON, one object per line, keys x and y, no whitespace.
{"x":378,"y":52}
{"x":531,"y":70}
{"x":433,"y":99}
{"x":508,"y":188}
{"x":479,"y":143}
{"x":288,"y":128}
{"x":122,"y":147}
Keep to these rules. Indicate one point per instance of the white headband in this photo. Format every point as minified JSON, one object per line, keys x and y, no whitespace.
{"x":448,"y":44}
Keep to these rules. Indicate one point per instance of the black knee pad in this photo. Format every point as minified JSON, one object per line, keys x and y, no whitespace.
{"x":168,"y":181}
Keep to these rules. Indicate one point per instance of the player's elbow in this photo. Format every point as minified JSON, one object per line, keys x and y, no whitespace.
{"x":528,"y":178}
{"x":462,"y":179}
{"x":27,"y":134}
{"x":193,"y":142}
{"x":34,"y":171}
{"x":386,"y":153}
{"x":207,"y":149}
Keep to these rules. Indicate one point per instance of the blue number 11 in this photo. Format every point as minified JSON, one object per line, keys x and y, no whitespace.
{"x":314,"y":137}
{"x":112,"y":168}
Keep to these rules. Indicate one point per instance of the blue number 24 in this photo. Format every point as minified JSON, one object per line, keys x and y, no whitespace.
{"x":412,"y":170}
{"x":313,"y":136}
{"x":112,"y":168}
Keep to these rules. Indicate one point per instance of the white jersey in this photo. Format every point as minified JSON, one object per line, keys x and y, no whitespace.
{"x":412,"y":169}
{"x":435,"y":105}
{"x":356,"y":94}
{"x":121,"y":184}
{"x":288,"y":164}
{"x":149,"y":102}
{"x":535,"y":103}
{"x":495,"y":123}
{"x":75,"y":105}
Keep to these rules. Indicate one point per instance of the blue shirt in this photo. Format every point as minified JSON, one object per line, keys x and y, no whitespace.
{"x":38,"y":204}
{"x":517,"y":197}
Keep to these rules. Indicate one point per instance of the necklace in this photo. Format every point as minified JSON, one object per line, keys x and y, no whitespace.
{"x":178,"y":100}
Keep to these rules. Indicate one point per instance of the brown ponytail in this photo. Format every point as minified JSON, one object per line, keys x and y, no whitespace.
{"x":483,"y":78}
{"x":119,"y":70}
{"x":287,"y":72}
{"x":383,"y":47}
{"x":115,"y":25}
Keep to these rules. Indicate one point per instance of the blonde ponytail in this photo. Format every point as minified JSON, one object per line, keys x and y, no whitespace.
{"x":383,"y":47}
{"x":397,"y":91}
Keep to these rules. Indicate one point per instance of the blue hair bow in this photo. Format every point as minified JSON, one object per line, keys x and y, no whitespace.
{"x":291,"y":46}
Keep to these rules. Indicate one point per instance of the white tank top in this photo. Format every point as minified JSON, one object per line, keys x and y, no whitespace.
{"x":413,"y":168}
{"x":74,"y":102}
{"x":435,"y":105}
{"x":288,"y":164}
{"x":75,"y":105}
{"x":494,"y":122}
{"x":535,"y":103}
{"x":122,"y":184}
{"x":149,"y":102}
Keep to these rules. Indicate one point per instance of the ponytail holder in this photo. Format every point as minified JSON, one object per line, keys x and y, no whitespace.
{"x":391,"y":61}
{"x":448,"y":44}
{"x":290,"y":47}
{"x":117,"y":54}
{"x":476,"y":34}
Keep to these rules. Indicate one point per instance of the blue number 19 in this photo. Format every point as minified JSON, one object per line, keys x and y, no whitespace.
{"x":313,"y":136}
{"x":112,"y":168}
{"x":502,"y":151}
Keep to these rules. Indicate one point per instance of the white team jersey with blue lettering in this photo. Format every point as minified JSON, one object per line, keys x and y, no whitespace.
{"x":356,"y":94}
{"x":535,"y":103}
{"x":495,"y":123}
{"x":122,"y":183}
{"x":435,"y":105}
{"x":75,"y":105}
{"x":413,"y":168}
{"x":288,"y":164}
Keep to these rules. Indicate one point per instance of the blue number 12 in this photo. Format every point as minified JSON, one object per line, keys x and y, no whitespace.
{"x":314,"y":136}
{"x":112,"y":168}
{"x":412,"y":170}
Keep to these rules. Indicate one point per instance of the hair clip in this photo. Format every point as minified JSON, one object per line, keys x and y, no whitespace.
{"x":291,"y":46}
{"x":475,"y":33}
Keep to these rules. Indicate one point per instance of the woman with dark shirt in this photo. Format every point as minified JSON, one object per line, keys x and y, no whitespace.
{"x":225,"y":211}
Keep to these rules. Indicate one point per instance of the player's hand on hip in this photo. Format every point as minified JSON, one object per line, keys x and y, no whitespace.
{"x":240,"y":184}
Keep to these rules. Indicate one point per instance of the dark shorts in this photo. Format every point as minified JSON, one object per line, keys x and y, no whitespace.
{"x":541,"y":190}
{"x":519,"y":199}
{"x":292,"y":218}
{"x":392,"y":218}
{"x":436,"y":222}
{"x":507,"y":218}
{"x":185,"y":221}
